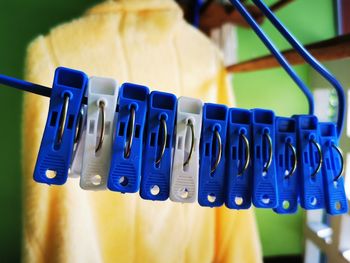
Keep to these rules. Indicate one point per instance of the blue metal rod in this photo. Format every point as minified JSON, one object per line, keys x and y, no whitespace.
{"x":28,"y":86}
{"x":310,"y":60}
{"x":25,"y":85}
{"x":277,"y":54}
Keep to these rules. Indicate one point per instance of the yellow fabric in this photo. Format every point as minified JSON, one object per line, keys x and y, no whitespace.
{"x":145,"y":42}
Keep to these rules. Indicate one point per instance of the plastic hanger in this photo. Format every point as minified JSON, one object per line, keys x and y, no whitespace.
{"x":278,"y":55}
{"x":309,"y":59}
{"x":299,"y":48}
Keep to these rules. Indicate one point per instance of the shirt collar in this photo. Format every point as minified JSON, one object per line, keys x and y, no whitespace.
{"x":112,"y":6}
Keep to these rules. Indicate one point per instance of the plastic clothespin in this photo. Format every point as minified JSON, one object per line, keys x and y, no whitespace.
{"x":157,"y":153}
{"x":239,"y":171}
{"x":125,"y":171}
{"x":57,"y":143}
{"x":212,"y":155}
{"x":101,"y":115}
{"x":332,"y":169}
{"x":184,"y":178}
{"x":310,"y":161}
{"x":287,"y":172}
{"x":264,"y":180}
{"x":78,"y":150}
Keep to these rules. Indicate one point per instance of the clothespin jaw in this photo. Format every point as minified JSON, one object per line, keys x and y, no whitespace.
{"x":57,"y":143}
{"x":287,"y":171}
{"x":212,"y":155}
{"x":184,"y":178}
{"x":239,"y":165}
{"x":310,"y":160}
{"x":101,"y":115}
{"x":264,"y":181}
{"x":157,"y":153}
{"x":332,"y":169}
{"x":125,"y":170}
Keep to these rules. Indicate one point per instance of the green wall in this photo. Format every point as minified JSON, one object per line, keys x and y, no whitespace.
{"x":309,"y":21}
{"x":21,"y":21}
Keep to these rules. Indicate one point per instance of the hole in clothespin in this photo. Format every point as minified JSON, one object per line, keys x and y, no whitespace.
{"x":155,"y":190}
{"x":285,"y":204}
{"x":70,"y":122}
{"x":265,"y":199}
{"x":50,"y":174}
{"x":313,"y":200}
{"x":92,"y":127}
{"x":54,"y":118}
{"x":121,"y":129}
{"x":183,"y":193}
{"x":123,"y":181}
{"x":338,"y":205}
{"x":96,"y":179}
{"x":179,"y":144}
{"x":137,"y":131}
{"x":153,"y":139}
{"x":108,"y":127}
{"x":238,"y":200}
{"x":211,"y":197}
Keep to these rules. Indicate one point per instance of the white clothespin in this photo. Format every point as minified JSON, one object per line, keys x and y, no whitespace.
{"x":184,"y":178}
{"x":102,"y":103}
{"x":77,"y":160}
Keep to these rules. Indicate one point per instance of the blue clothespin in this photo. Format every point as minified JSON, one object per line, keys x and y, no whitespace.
{"x":264,"y":180}
{"x":332,"y":169}
{"x":287,"y":172}
{"x":57,"y":143}
{"x":125,"y":171}
{"x":157,"y":154}
{"x":212,"y":190}
{"x":310,"y":162}
{"x":239,"y":171}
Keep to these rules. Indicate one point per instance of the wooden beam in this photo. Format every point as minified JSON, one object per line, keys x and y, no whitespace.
{"x":332,"y":49}
{"x":214,"y":14}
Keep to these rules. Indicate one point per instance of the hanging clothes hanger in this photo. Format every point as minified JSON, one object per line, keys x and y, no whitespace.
{"x":273,"y":49}
{"x":309,"y":59}
{"x":259,"y":125}
{"x":298,"y":47}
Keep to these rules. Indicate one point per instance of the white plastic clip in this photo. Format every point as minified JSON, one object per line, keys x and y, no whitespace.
{"x":102,"y":103}
{"x":77,"y":160}
{"x":184,"y":178}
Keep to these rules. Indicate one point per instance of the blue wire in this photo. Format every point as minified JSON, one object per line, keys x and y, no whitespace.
{"x":277,"y":54}
{"x":24,"y":85}
{"x":310,"y":60}
{"x":28,"y":86}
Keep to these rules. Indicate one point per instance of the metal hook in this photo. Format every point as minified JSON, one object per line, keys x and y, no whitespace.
{"x":165,"y":135}
{"x":247,"y":153}
{"x":131,"y":127}
{"x":218,"y":159}
{"x":189,"y":123}
{"x":79,"y":130}
{"x":321,"y":157}
{"x":101,"y":106}
{"x":340,"y":152}
{"x":269,"y":161}
{"x":294,"y":167}
{"x":63,"y":118}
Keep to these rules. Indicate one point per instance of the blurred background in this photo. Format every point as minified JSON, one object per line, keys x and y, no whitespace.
{"x":21,"y":21}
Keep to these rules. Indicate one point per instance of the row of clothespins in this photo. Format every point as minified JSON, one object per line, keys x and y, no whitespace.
{"x":127,"y":140}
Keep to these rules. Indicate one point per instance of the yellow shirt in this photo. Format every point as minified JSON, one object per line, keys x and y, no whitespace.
{"x":145,"y":42}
